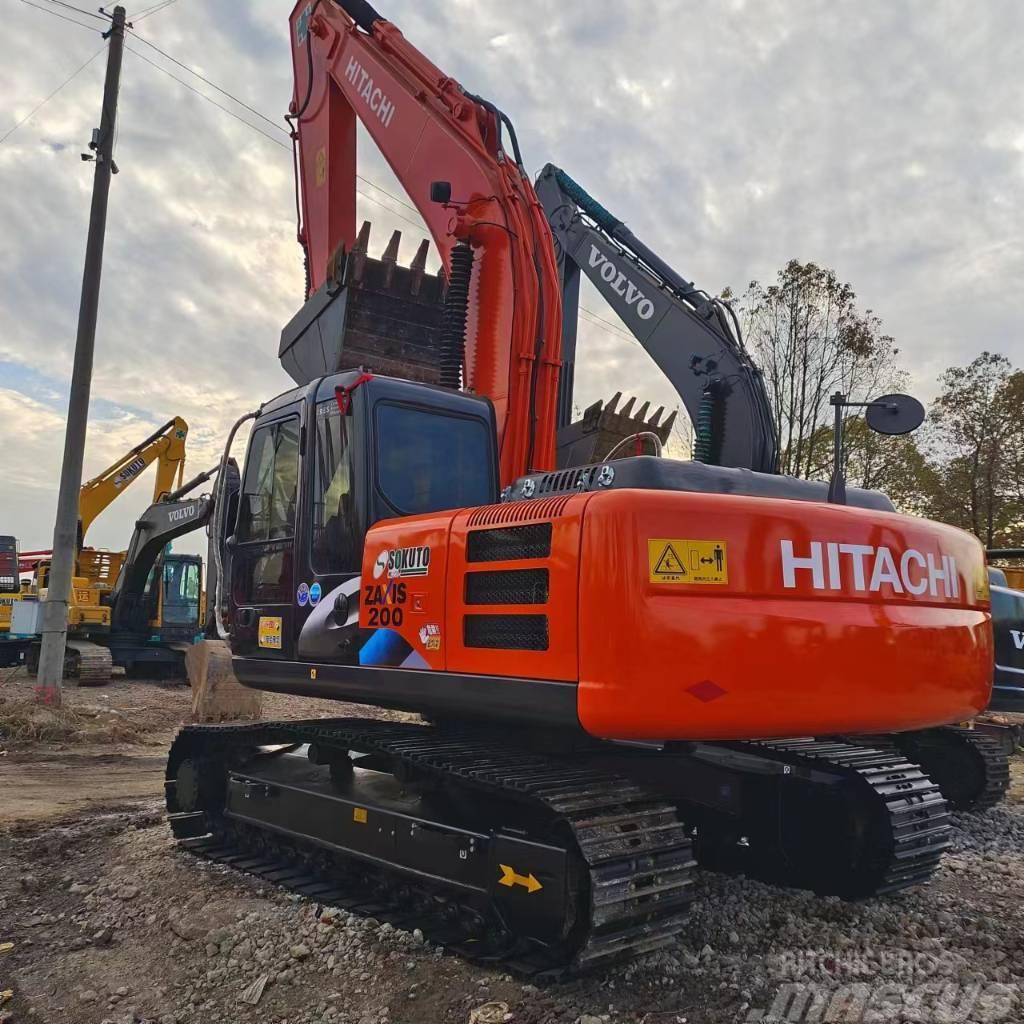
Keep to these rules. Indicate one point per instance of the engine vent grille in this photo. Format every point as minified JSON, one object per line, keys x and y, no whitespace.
{"x":506,"y":632}
{"x":507,"y":586}
{"x":518,"y":511}
{"x":578,"y":479}
{"x":509,"y":544}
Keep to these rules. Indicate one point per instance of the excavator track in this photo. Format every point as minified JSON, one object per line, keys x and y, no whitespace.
{"x":971,"y":769}
{"x":88,"y":663}
{"x":613,"y":856}
{"x":91,"y":664}
{"x":876,"y":826}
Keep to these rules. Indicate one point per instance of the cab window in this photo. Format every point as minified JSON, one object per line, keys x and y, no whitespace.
{"x":335,"y":535}
{"x":270,"y":487}
{"x":428,"y":461}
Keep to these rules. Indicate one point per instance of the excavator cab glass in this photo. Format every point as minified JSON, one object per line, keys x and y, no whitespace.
{"x":181,"y":592}
{"x":427,"y":461}
{"x":315,"y":481}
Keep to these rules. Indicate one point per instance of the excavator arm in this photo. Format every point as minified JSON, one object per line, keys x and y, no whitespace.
{"x":165,"y":446}
{"x":173,"y":516}
{"x":691,"y":336}
{"x":445,"y":146}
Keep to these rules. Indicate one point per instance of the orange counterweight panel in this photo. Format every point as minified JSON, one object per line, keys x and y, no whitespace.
{"x":720,"y":617}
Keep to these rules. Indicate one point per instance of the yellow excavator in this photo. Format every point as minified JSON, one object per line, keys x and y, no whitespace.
{"x":96,"y":571}
{"x":12,"y":648}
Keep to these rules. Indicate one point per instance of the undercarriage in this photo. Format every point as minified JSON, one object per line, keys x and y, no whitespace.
{"x":545,"y":853}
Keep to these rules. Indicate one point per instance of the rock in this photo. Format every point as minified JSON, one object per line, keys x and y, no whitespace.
{"x":489,"y":1013}
{"x":299,"y":952}
{"x":254,"y":992}
{"x":127,"y":892}
{"x":87,"y":995}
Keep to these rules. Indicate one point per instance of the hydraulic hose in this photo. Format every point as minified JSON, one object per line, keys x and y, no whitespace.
{"x":704,"y":437}
{"x":456,"y":312}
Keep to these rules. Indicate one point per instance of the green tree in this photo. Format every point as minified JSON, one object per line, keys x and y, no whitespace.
{"x":976,"y":439}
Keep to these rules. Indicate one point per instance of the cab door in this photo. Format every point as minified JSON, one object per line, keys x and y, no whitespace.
{"x":263,"y":548}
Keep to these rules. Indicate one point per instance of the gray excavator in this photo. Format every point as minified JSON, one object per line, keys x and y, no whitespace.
{"x":156,"y":601}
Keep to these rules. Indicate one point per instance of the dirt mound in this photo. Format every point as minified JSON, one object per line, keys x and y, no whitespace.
{"x":23,"y":721}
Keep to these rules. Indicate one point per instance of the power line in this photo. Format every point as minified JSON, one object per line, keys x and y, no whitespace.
{"x":269,"y":137}
{"x":57,"y":14}
{"x":42,"y":104}
{"x":600,"y":319}
{"x":155,"y":9}
{"x":209,"y":99}
{"x":252,"y":110}
{"x":80,"y":10}
{"x":212,"y":85}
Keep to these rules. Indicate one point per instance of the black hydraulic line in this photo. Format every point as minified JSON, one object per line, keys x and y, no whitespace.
{"x":456,"y":311}
{"x":156,"y":435}
{"x":362,"y":13}
{"x":610,"y":223}
{"x":201,"y":478}
{"x":505,"y":120}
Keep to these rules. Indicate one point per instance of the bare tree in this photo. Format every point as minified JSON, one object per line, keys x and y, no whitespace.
{"x":810,"y":340}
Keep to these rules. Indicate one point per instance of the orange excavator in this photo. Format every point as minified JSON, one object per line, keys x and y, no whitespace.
{"x":620,"y":666}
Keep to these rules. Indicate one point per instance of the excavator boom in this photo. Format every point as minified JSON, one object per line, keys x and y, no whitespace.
{"x":484,"y":214}
{"x":165,"y":446}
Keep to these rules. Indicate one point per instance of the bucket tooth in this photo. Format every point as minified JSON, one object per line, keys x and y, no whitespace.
{"x":390,"y":258}
{"x":358,"y":257}
{"x":371,"y":313}
{"x":418,"y":267}
{"x":603,"y":427}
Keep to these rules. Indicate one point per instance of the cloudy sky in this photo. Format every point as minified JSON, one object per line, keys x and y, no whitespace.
{"x":883,"y":138}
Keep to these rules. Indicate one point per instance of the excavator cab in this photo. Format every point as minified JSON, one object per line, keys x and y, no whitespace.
{"x":324,"y":463}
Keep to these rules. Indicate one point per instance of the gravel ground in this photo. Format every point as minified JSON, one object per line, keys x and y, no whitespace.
{"x":110,"y":922}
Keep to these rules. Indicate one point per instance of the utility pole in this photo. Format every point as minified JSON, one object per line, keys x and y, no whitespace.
{"x":65,"y":532}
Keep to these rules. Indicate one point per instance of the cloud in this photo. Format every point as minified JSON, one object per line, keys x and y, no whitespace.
{"x":882,"y":140}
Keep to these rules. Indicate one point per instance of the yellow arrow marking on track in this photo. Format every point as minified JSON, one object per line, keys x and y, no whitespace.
{"x":510,"y":878}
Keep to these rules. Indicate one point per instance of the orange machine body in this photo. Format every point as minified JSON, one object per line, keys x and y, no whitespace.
{"x":696,"y":616}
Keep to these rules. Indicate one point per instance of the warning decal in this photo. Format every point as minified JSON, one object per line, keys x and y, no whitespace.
{"x":270,"y":632}
{"x":687,"y":561}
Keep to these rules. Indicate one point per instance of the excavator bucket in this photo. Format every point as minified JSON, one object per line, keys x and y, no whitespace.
{"x":370,"y":313}
{"x":604,"y":427}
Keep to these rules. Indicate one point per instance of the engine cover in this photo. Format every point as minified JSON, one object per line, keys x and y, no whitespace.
{"x":683,"y":615}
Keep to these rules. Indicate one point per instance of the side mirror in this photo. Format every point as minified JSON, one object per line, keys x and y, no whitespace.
{"x":895,"y":414}
{"x":890,"y":414}
{"x":441,"y":192}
